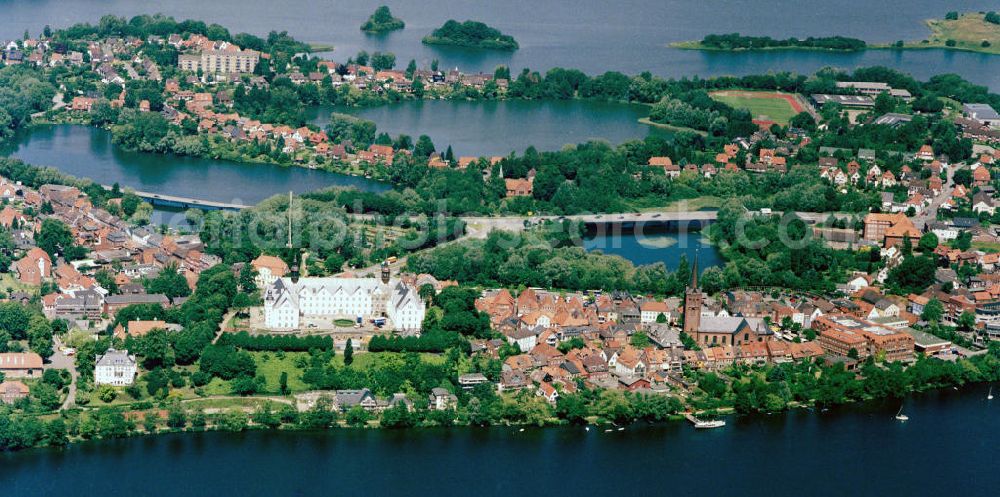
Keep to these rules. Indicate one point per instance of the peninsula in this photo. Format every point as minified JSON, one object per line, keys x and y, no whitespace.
{"x":971,"y":32}
{"x":471,"y":34}
{"x":382,"y":21}
{"x":736,"y":42}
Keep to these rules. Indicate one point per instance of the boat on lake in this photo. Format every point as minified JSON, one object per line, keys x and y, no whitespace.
{"x":714,"y":423}
{"x":703,"y":424}
{"x":900,"y":416}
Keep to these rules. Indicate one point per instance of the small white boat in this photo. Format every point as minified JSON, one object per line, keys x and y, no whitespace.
{"x":900,"y":416}
{"x":609,"y":430}
{"x":621,"y":428}
{"x":989,"y":396}
{"x":586,"y":428}
{"x":522,"y":429}
{"x":715,"y":423}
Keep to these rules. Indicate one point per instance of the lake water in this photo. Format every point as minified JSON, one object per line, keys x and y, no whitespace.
{"x":87,"y":152}
{"x":948,"y":447}
{"x":652,"y":244}
{"x":592,"y":35}
{"x":499,"y":128}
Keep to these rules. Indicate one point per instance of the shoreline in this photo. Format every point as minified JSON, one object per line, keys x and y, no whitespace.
{"x":670,"y":127}
{"x":727,"y":413}
{"x":697,"y":45}
{"x":908,"y":46}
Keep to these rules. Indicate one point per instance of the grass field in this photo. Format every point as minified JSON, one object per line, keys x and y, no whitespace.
{"x":988,"y":247}
{"x":968,"y":31}
{"x":273,"y":367}
{"x":764,"y":106}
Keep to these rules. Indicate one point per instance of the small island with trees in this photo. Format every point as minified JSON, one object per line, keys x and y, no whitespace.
{"x":970,"y":32}
{"x":471,"y":34}
{"x":382,"y":21}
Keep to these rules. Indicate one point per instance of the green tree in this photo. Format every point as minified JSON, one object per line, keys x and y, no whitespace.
{"x":933,"y":311}
{"x":176,"y":417}
{"x":357,"y":416}
{"x":283,"y":383}
{"x":348,"y":353}
{"x":424,"y":146}
{"x":55,"y":238}
{"x":639,"y":340}
{"x":397,"y":417}
{"x":169,"y":282}
{"x":382,"y":61}
{"x":966,"y":321}
{"x":40,"y":335}
{"x":928,"y":242}
{"x":248,"y":277}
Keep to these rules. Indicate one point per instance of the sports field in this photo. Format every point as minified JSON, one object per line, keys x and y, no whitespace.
{"x":764,"y":105}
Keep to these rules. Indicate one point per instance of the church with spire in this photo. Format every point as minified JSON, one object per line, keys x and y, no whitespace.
{"x":693,"y":302}
{"x":710,"y":330}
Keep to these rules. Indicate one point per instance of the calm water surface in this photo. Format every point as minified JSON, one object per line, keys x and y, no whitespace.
{"x":591,"y":35}
{"x":499,"y":128}
{"x":87,"y":152}
{"x":948,"y":447}
{"x":653,"y":244}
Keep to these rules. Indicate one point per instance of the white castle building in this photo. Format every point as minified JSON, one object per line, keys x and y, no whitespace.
{"x":286,"y":302}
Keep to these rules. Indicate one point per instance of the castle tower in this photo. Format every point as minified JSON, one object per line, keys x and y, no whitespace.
{"x":693,"y":300}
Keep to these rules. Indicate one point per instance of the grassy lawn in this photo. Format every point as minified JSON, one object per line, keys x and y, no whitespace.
{"x":8,"y":280}
{"x":269,"y":365}
{"x":988,"y":247}
{"x":369,"y":360}
{"x":343,"y":323}
{"x":218,"y":386}
{"x":969,"y":31}
{"x":766,"y":108}
{"x":229,"y":403}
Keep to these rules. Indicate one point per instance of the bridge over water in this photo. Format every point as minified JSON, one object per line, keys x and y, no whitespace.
{"x":164,"y":200}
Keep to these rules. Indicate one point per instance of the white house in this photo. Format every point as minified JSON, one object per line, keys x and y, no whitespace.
{"x":650,"y":310}
{"x":441,"y":399}
{"x":858,"y":282}
{"x":982,"y":202}
{"x":115,"y":367}
{"x":285,"y":301}
{"x":526,"y":338}
{"x":944,"y":231}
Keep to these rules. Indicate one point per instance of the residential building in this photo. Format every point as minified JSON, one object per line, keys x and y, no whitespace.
{"x":839,"y":333}
{"x":20,"y":364}
{"x":269,"y":268}
{"x":12,"y":391}
{"x":650,"y":310}
{"x":441,"y":399}
{"x":889,"y":229}
{"x":116,"y":368}
{"x":220,"y":61}
{"x":35,"y":266}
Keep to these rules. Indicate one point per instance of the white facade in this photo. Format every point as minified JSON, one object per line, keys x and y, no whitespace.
{"x":116,"y":368}
{"x":286,"y":302}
